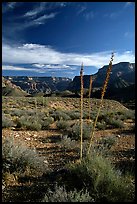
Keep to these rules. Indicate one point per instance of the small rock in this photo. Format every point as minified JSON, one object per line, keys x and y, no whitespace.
{"x":28,"y":138}
{"x":45,"y":161}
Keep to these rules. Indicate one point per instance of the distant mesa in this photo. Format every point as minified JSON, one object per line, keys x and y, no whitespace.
{"x":121,"y":85}
{"x":10,"y":89}
{"x":122,"y":80}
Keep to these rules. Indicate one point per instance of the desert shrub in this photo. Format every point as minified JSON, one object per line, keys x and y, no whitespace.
{"x":74,"y":114}
{"x":28,"y":123}
{"x":93,"y":115}
{"x":117,"y":115}
{"x":85,"y":115}
{"x":102,"y":180}
{"x":42,"y":101}
{"x":127,"y":114}
{"x":5,"y":111}
{"x":17,"y":112}
{"x":17,"y":157}
{"x":65,"y":93}
{"x":133,"y":128}
{"x":33,"y":125}
{"x":101,"y":125}
{"x":62,"y":124}
{"x":107,"y":142}
{"x":74,"y":131}
{"x":21,"y":122}
{"x":45,"y":123}
{"x":61,"y":195}
{"x":7,"y":122}
{"x":116,"y":123}
{"x":60,"y":115}
{"x":67,"y":143}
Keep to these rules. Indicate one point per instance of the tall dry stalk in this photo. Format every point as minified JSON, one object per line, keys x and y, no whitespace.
{"x":81,"y":111}
{"x":43,"y":101}
{"x":101,"y":101}
{"x":36,"y":109}
{"x":90,"y":88}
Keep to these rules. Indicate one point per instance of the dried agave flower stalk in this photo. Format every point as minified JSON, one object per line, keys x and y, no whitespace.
{"x":81,"y":111}
{"x":101,"y":101}
{"x":43,"y":101}
{"x":90,"y":88}
{"x":36,"y":109}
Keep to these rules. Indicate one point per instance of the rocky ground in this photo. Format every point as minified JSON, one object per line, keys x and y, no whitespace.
{"x":47,"y":144}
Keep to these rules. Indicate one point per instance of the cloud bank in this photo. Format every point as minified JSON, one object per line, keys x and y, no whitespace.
{"x":42,"y":54}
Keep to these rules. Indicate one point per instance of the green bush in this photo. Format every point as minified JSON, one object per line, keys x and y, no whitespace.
{"x":126,"y":114}
{"x":74,"y":131}
{"x":17,"y":157}
{"x":33,"y":125}
{"x":63,"y":125}
{"x":61,"y":195}
{"x":45,"y":123}
{"x":67,"y":143}
{"x":28,"y":123}
{"x":60,"y":115}
{"x":74,"y":114}
{"x":17,"y":112}
{"x":101,"y":125}
{"x":116,"y":123}
{"x":7,"y":122}
{"x":102,"y":181}
{"x":108,"y":141}
{"x":85,"y":115}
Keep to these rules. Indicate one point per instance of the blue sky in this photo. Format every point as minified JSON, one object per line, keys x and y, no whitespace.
{"x":54,"y":38}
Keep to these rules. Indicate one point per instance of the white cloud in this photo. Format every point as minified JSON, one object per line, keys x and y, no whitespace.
{"x":89,"y":15}
{"x":31,"y":46}
{"x":41,"y":20}
{"x":126,"y":56}
{"x":81,"y":9}
{"x":41,"y":68}
{"x":129,"y":35}
{"x":43,"y":6}
{"x":54,"y":66}
{"x":39,"y":65}
{"x":14,"y":68}
{"x":12,"y":4}
{"x":32,"y":13}
{"x":37,"y":21}
{"x":17,"y":68}
{"x":114,"y":15}
{"x":41,"y":54}
{"x":127,"y":4}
